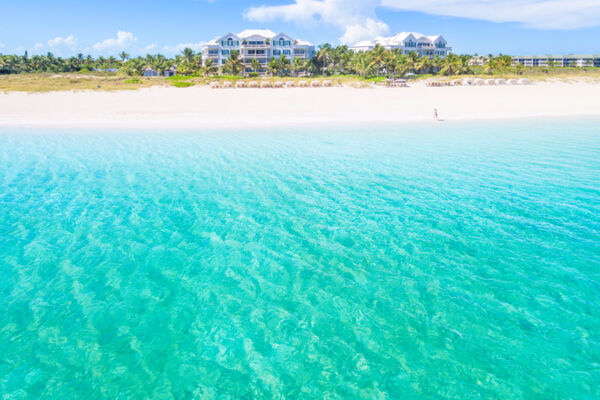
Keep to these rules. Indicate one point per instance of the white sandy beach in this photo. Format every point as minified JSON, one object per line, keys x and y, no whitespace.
{"x":198,"y":107}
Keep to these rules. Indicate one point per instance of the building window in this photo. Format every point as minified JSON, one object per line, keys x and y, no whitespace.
{"x":213,"y":52}
{"x":299,"y":52}
{"x":410,"y":44}
{"x":287,"y":52}
{"x":225,"y":52}
{"x":276,"y":52}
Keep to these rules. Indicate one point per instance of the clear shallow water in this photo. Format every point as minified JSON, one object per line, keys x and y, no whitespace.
{"x":450,"y":261}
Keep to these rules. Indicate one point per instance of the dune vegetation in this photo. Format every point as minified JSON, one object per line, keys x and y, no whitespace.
{"x":43,"y":73}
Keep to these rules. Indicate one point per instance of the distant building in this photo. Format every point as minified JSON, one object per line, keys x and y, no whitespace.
{"x":106,"y":69}
{"x":569,"y":60}
{"x":148,"y":71}
{"x":261,"y":45}
{"x":408,"y":42}
{"x":478,"y":61}
{"x":171,"y":71}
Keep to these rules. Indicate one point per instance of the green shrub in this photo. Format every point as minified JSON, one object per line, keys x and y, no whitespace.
{"x":183,"y":84}
{"x":136,"y":81}
{"x":178,"y":78}
{"x":230,"y":77}
{"x":253,"y":74}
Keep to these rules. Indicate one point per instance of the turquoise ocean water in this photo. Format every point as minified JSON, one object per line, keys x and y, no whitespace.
{"x":431,"y":261}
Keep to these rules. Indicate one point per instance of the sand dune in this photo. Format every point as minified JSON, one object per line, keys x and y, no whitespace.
{"x":198,"y":107}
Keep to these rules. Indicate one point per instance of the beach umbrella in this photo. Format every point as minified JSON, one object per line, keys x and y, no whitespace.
{"x":252,"y":84}
{"x":265,"y":84}
{"x":303,"y":84}
{"x":214,"y":85}
{"x":278,"y":84}
{"x":490,"y":82}
{"x":327,"y":83}
{"x":290,"y":84}
{"x":479,"y":82}
{"x":240,"y":84}
{"x":512,"y":82}
{"x":227,"y":84}
{"x":500,"y":81}
{"x":315,"y":83}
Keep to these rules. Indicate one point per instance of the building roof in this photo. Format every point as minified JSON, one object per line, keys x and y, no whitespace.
{"x":300,"y":42}
{"x":396,"y":40}
{"x":256,"y":32}
{"x":544,"y":57}
{"x":365,"y":43}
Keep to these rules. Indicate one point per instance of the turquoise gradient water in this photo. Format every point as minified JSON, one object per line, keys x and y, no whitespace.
{"x":433,"y":261}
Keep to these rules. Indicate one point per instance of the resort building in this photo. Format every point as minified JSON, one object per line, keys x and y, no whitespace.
{"x":408,"y":42}
{"x":569,"y":60}
{"x":261,"y":45}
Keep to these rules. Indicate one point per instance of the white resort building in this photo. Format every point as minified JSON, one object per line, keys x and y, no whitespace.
{"x":569,"y":60}
{"x":408,"y":42}
{"x":262,"y":45}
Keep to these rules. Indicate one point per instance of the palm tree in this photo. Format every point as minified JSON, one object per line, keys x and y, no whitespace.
{"x":324,"y":56}
{"x":123,"y":55}
{"x":363,"y":64}
{"x":491,"y":65}
{"x":273,"y":66}
{"x":412,"y":60}
{"x":449,"y":65}
{"x":435,"y":64}
{"x":423,"y":64}
{"x":112,"y":61}
{"x":209,"y":67}
{"x":188,"y":54}
{"x":283,"y":64}
{"x":462,"y":66}
{"x":255,"y":65}
{"x":233,"y":65}
{"x":297,"y":66}
{"x":378,"y":56}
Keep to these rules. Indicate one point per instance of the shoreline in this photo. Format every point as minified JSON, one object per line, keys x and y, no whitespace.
{"x":202,"y":107}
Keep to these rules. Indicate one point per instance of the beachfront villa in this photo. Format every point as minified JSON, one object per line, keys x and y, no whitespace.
{"x":569,"y":60}
{"x":408,"y":42}
{"x":261,"y":45}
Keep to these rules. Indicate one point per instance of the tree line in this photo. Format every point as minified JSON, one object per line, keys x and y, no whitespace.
{"x":328,"y":60}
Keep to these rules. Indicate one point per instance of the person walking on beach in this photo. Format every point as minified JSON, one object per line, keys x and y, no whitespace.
{"x":435,"y":115}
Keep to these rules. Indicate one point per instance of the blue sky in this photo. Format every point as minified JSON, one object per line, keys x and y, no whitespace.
{"x":139,"y":27}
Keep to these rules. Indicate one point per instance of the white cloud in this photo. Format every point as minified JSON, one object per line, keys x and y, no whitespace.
{"x":358,"y":20}
{"x":150,"y":48}
{"x":179,"y":48}
{"x":69,"y":42}
{"x":355,"y":17}
{"x":121,"y":42}
{"x":37,"y":47}
{"x":541,"y":14}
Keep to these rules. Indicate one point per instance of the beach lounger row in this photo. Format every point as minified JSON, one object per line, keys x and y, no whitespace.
{"x":479,"y":82}
{"x":268,"y":84}
{"x":395,"y":83}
